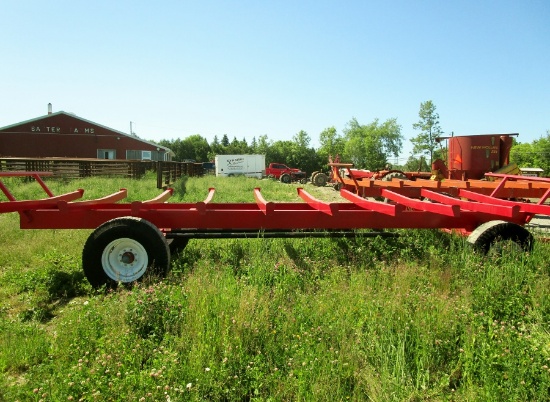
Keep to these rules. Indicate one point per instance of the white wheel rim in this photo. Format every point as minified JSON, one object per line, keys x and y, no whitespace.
{"x":124,"y":260}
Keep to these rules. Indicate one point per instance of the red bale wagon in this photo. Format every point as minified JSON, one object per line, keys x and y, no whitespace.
{"x":132,"y":239}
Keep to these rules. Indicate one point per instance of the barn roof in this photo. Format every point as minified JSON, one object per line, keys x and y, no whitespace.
{"x":87,"y":121}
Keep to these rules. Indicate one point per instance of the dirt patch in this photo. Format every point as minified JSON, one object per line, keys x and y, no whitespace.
{"x":326,"y":193}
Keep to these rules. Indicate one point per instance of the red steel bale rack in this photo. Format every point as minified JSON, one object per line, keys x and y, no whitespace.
{"x":130,"y":239}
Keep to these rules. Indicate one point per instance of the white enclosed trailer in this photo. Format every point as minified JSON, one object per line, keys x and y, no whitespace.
{"x":245,"y":165}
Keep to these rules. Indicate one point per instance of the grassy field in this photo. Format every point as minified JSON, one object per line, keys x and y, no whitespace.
{"x":414,"y":318}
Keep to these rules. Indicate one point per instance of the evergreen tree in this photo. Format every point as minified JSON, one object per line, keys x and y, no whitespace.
{"x":425,"y":142}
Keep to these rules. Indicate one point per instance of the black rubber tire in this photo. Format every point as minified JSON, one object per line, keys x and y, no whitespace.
{"x":395,"y":175}
{"x":321,"y":180}
{"x":285,"y":178}
{"x":312,"y":178}
{"x":489,"y":234}
{"x":389,"y":177}
{"x":177,"y":245}
{"x":338,"y":186}
{"x":303,"y":181}
{"x":137,"y":234}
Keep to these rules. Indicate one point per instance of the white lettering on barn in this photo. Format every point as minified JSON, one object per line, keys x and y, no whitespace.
{"x":88,"y":130}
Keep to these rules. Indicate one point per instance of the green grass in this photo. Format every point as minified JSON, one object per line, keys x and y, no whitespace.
{"x":414,"y":318}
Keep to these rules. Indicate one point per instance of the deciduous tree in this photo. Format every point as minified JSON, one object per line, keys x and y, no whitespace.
{"x":535,"y":154}
{"x":303,"y":156}
{"x":332,"y":144}
{"x":369,"y":146}
{"x":195,"y":147}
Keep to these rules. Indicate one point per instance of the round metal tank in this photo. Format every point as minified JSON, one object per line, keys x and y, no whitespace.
{"x":472,"y":156}
{"x":506,"y":143}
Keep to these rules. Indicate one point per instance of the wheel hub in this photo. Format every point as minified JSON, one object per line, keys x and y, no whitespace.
{"x":127,"y":257}
{"x":124,"y":260}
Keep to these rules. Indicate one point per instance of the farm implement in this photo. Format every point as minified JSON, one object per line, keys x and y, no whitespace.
{"x":468,"y":157}
{"x":130,"y":239}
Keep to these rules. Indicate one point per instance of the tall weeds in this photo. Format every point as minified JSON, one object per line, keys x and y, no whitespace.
{"x":416,"y":317}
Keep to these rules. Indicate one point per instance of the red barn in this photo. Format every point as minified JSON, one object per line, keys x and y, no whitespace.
{"x":66,"y":135}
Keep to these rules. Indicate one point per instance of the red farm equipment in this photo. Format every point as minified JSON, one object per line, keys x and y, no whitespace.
{"x":130,"y":239}
{"x":468,"y":157}
{"x":340,"y":171}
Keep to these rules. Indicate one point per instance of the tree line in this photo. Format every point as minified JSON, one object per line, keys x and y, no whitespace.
{"x":368,"y":146}
{"x":533,"y":154}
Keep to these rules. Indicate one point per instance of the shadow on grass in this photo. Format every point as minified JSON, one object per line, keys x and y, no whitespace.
{"x":59,"y":289}
{"x":180,"y":186}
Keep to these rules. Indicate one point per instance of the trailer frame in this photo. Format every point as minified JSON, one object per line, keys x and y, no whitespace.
{"x":134,"y":237}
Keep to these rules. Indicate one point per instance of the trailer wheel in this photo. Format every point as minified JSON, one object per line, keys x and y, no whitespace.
{"x":495,"y":237}
{"x":122,"y":250}
{"x":338,"y":186}
{"x":320,"y":180}
{"x":285,"y":178}
{"x":303,"y":181}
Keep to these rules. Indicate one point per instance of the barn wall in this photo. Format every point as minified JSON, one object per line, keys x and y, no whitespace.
{"x":62,"y":135}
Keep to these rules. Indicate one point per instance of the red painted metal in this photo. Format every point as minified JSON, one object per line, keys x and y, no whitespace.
{"x":510,"y":211}
{"x":523,"y":206}
{"x":468,"y":158}
{"x":19,"y":206}
{"x":383,"y":208}
{"x":35,"y":175}
{"x":519,"y":187}
{"x":471,"y":156}
{"x":529,"y":179}
{"x":464,"y":213}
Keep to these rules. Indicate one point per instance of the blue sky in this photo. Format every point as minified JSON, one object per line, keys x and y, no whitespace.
{"x":249,"y":68}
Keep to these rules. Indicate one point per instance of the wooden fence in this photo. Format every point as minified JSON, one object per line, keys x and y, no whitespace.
{"x":71,"y":168}
{"x":169,"y":172}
